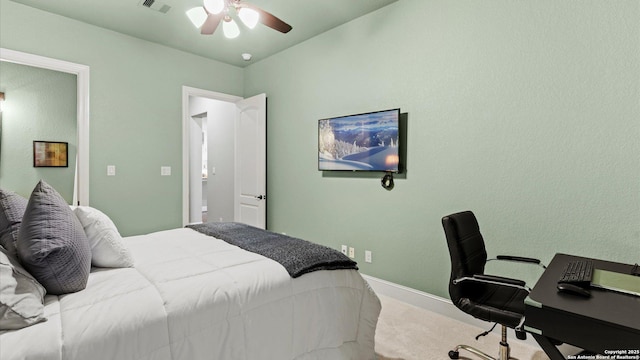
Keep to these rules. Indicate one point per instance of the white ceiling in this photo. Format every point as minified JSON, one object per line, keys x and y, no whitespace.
{"x":307,"y":17}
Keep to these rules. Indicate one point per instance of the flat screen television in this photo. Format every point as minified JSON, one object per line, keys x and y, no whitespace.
{"x":362,"y":142}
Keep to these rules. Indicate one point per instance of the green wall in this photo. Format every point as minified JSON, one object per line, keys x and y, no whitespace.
{"x":135,"y":110}
{"x":40,"y":105}
{"x":526,"y":112}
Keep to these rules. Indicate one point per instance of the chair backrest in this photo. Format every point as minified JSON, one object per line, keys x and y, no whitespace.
{"x":466,"y":248}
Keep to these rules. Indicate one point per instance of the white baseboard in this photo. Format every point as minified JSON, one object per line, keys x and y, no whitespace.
{"x":434,"y":303}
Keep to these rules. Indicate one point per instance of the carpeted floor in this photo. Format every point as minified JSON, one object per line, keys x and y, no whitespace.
{"x":406,"y":332}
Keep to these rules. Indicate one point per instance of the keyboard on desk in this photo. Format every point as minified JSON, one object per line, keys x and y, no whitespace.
{"x":578,"y":272}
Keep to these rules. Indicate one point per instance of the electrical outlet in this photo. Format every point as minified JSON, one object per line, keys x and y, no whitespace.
{"x":352,"y":252}
{"x":165,"y":170}
{"x":344,"y":249}
{"x":367,"y":256}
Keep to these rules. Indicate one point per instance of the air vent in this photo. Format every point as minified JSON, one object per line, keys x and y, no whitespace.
{"x":155,"y":5}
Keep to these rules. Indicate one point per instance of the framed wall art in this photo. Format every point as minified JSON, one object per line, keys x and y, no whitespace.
{"x":50,"y":154}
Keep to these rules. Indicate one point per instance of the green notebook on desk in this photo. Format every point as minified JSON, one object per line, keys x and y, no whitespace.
{"x":614,"y":281}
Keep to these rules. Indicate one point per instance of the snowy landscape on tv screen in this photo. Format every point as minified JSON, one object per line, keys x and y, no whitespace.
{"x":366,"y":142}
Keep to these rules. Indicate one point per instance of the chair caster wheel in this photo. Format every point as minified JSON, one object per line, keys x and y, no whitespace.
{"x":453,"y":354}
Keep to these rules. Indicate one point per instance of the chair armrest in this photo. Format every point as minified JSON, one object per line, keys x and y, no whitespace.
{"x":519,"y":259}
{"x":495,"y":280}
{"x":499,"y":279}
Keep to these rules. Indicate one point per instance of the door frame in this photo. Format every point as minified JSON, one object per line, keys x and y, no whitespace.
{"x":186,"y":117}
{"x":81,"y":187}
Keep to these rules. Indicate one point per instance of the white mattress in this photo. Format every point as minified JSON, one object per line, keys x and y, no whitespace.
{"x":191,"y":296}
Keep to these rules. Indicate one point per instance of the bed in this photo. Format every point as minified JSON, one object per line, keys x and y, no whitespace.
{"x":193,"y":296}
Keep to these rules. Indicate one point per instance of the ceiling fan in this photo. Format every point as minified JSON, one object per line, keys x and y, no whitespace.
{"x":209,"y":16}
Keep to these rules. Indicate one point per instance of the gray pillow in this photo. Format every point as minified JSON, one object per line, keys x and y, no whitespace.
{"x":12,"y":208}
{"x":52,"y":244}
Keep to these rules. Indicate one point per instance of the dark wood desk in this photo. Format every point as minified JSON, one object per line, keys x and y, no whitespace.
{"x":604,"y":322}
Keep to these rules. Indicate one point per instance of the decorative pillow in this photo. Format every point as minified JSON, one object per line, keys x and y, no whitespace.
{"x":52,"y":245}
{"x":21,"y":296}
{"x":12,"y":208}
{"x":107,"y":247}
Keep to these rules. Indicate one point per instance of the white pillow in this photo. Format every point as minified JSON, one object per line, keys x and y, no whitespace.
{"x":21,"y":296}
{"x":107,"y":247}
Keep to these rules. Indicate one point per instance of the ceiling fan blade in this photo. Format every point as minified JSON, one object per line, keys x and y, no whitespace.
{"x":269,"y":19}
{"x":211,"y":24}
{"x":273,"y":22}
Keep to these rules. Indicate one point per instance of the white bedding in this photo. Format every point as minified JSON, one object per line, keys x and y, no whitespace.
{"x":191,"y":296}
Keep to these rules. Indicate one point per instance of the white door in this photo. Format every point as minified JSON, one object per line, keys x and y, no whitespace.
{"x":251,"y":150}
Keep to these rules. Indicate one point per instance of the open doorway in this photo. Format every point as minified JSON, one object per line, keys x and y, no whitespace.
{"x":211,"y":164}
{"x":198,"y":211}
{"x":231,"y":183}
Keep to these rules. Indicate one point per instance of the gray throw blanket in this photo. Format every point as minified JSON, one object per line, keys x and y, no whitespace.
{"x":296,"y":255}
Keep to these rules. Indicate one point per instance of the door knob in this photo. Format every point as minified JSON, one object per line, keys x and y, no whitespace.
{"x":261,"y":197}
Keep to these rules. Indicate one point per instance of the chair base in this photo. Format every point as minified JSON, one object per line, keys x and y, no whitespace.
{"x":504,"y":350}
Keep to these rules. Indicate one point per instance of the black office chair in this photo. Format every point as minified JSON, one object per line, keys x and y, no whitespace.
{"x":491,"y":298}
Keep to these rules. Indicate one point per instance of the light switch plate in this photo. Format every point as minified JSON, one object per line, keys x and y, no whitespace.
{"x":165,"y":170}
{"x":367,"y":256}
{"x":111,"y":170}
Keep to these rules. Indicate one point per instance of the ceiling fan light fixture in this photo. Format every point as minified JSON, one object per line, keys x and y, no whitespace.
{"x":224,"y":11}
{"x":249,"y":17}
{"x":214,"y":6}
{"x":197,"y":15}
{"x":230,"y":28}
